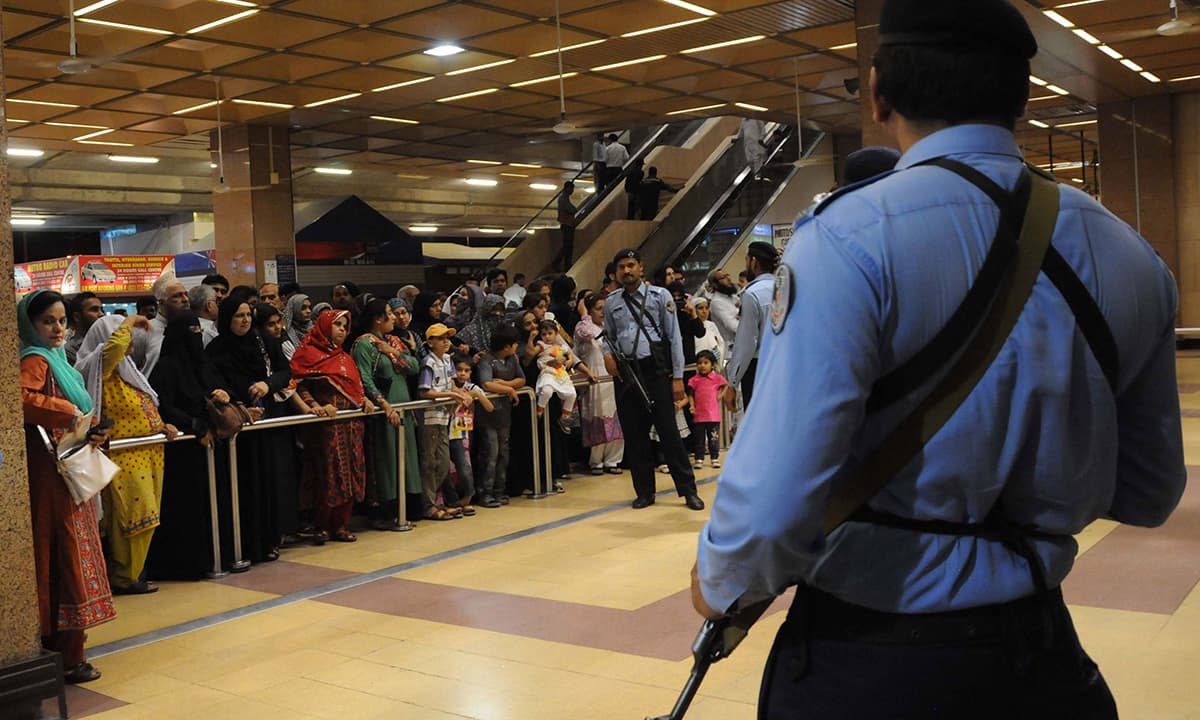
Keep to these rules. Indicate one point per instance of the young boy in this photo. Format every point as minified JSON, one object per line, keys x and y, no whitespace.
{"x":436,"y":382}
{"x":499,"y":372}
{"x":705,"y":390}
{"x":556,"y":362}
{"x":461,"y":426}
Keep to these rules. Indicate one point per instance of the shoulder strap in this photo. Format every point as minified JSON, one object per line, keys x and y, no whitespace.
{"x":899,"y":448}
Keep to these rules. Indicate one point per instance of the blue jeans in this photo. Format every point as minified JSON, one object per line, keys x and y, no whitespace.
{"x":465,"y":489}
{"x":496,"y":430}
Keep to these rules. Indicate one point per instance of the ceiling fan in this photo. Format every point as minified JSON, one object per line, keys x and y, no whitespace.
{"x":1177,"y":24}
{"x":564,"y":126}
{"x":76,"y":64}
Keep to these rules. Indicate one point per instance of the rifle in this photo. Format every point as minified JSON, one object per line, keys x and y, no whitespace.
{"x":716,"y":640}
{"x":629,"y":373}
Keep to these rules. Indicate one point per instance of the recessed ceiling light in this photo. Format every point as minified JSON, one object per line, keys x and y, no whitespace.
{"x":74,"y":125}
{"x":847,"y":46}
{"x":1042,"y":97}
{"x":491,"y":231}
{"x":1077,"y":3}
{"x":402,"y":121}
{"x":93,"y":7}
{"x":530,"y":231}
{"x":1058,"y":18}
{"x":412,"y":177}
{"x":1037,"y":80}
{"x":1151,"y":76}
{"x":727,"y":43}
{"x":423,"y":228}
{"x":14,"y":120}
{"x":28,"y":221}
{"x":696,"y":109}
{"x":339,"y":98}
{"x":1057,"y":90}
{"x":485,"y":66}
{"x":333,"y":170}
{"x":143,"y":159}
{"x":507,"y":174}
{"x":543,"y":186}
{"x":547,"y":78}
{"x":660,"y":28}
{"x":104,"y":142}
{"x":89,"y":136}
{"x":482,"y":182}
{"x":1110,"y":52}
{"x":25,"y":152}
{"x":1077,"y":180}
{"x":201,"y":106}
{"x":444,"y":50}
{"x":1087,"y":37}
{"x":1077,"y":124}
{"x":748,"y":106}
{"x":1187,"y":77}
{"x":212,"y":165}
{"x":485,"y":162}
{"x":1132,"y":65}
{"x":123,"y":26}
{"x":689,"y":6}
{"x":262,"y":103}
{"x":241,"y":3}
{"x":464,"y":96}
{"x":217,"y":23}
{"x":406,"y":83}
{"x":589,"y":190}
{"x":525,"y":165}
{"x":1039,"y":124}
{"x":576,"y":46}
{"x":40,"y":102}
{"x":650,"y":58}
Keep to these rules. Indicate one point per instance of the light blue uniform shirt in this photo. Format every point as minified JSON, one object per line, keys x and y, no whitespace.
{"x":620,"y":324}
{"x":756,"y":308}
{"x":876,"y":275}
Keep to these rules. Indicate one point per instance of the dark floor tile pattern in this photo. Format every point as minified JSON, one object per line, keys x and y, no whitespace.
{"x":282,"y":577}
{"x":81,"y":702}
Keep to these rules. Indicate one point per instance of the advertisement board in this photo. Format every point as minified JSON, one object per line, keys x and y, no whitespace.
{"x":105,"y":275}
{"x":55,"y":274}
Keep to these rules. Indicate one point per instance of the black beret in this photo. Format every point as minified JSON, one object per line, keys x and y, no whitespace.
{"x":763,"y":251}
{"x":868,"y":162}
{"x":626,"y":253}
{"x":990,"y":25}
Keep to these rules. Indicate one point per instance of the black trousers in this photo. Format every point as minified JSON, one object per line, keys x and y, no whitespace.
{"x":748,"y":382}
{"x":568,"y":246}
{"x":832,"y":660}
{"x":635,"y":425}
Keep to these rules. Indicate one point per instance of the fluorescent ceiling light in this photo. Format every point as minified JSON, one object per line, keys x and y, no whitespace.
{"x":217,"y":23}
{"x":1058,"y":18}
{"x":583,"y":180}
{"x":847,"y":46}
{"x":104,"y":142}
{"x":1042,"y":97}
{"x":1077,"y":124}
{"x":89,"y":136}
{"x":143,"y":159}
{"x":263,"y":103}
{"x":25,"y":152}
{"x":339,"y":98}
{"x":1077,"y":180}
{"x":525,"y":165}
{"x":423,"y":228}
{"x":485,"y":162}
{"x":688,"y":6}
{"x":589,"y":190}
{"x":1037,"y":81}
{"x":241,"y":3}
{"x":507,"y":174}
{"x":1057,"y":90}
{"x":332,"y":170}
{"x":201,"y":106}
{"x":660,"y":28}
{"x":576,"y":46}
{"x":28,"y":221}
{"x":1188,"y":77}
{"x":1110,"y":52}
{"x":696,"y":109}
{"x":727,"y":43}
{"x":403,"y":121}
{"x":14,"y":120}
{"x":1038,"y":123}
{"x":485,"y":66}
{"x":412,"y":177}
{"x":406,"y":83}
{"x":477,"y":93}
{"x":123,"y":26}
{"x":75,"y":125}
{"x":748,"y":106}
{"x":650,"y":58}
{"x":1132,"y":65}
{"x":93,"y":7}
{"x":40,"y":102}
{"x":548,"y":78}
{"x":481,"y":182}
{"x":543,"y":186}
{"x":1151,"y":76}
{"x":491,"y":231}
{"x":1087,"y":37}
{"x":444,"y":50}
{"x":212,"y":165}
{"x":1077,"y":3}
{"x":530,"y":231}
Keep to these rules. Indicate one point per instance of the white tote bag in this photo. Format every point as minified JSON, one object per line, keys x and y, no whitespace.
{"x":85,"y":470}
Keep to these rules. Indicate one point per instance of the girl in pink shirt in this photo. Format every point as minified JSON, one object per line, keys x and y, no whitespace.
{"x":705,"y":390}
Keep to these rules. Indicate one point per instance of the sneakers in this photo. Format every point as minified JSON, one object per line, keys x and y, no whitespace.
{"x":564,"y":424}
{"x":489,"y":501}
{"x":664,"y":469}
{"x":503,"y":499}
{"x":716,"y":463}
{"x":597,"y":471}
{"x":697,"y":462}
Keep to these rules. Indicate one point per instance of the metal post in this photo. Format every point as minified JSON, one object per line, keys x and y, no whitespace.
{"x":211,"y":461}
{"x":239,"y":565}
{"x":549,"y":489}
{"x":402,"y":478}
{"x":537,"y":464}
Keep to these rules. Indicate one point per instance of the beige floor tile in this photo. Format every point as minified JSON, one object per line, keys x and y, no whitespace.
{"x":322,"y":699}
{"x":174,"y":603}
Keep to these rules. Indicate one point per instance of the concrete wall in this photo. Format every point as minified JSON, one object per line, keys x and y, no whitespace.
{"x":1187,"y":205}
{"x":182,"y":233}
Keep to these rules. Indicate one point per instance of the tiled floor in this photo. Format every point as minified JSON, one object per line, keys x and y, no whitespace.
{"x":571,"y":606}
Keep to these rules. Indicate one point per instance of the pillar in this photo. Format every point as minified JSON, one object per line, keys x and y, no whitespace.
{"x":1186,"y":112}
{"x":866,"y":22}
{"x":252,"y":200}
{"x":19,"y":632}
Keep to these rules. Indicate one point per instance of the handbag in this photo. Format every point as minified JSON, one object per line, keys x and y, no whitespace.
{"x":227,"y":418}
{"x":84,"y":469}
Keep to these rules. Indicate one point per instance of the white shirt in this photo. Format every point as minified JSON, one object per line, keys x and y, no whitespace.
{"x":615,"y":155}
{"x":208,"y":330}
{"x":598,"y":151}
{"x":515,"y":295}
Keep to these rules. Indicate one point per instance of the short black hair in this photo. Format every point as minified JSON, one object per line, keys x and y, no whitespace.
{"x":535,"y":286}
{"x":242,"y":292}
{"x":502,"y":337}
{"x":712,"y":358}
{"x":610,"y":270}
{"x":76,"y":305}
{"x":495,"y":273}
{"x":350,"y":288}
{"x":518,"y":277}
{"x":147,"y":300}
{"x":289,"y":288}
{"x":591,"y":301}
{"x":925,"y":83}
{"x":532,"y":300}
{"x":215,"y":279}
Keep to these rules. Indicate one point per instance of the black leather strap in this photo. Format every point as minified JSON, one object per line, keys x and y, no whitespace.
{"x":1087,"y":313}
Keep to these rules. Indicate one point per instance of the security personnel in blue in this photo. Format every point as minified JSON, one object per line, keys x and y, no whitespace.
{"x":761,"y":260}
{"x":644,"y":354}
{"x":1028,"y":326}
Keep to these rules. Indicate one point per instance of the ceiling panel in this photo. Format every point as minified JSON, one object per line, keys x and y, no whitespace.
{"x":364,"y":46}
{"x":359,"y":12}
{"x":453,"y":23}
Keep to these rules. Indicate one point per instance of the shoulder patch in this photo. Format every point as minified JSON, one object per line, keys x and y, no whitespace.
{"x":845,"y":190}
{"x":781,"y":301}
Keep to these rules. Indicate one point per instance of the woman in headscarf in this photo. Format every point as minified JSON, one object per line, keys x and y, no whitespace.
{"x":522,"y":443}
{"x":383,"y":362}
{"x":328,"y":380}
{"x":257,"y":374}
{"x":297,"y":321}
{"x":426,"y":310}
{"x":185,"y":380}
{"x":317,"y":310}
{"x":468,"y":307}
{"x":409,"y":341}
{"x":477,"y":335}
{"x":121,"y":393}
{"x":72,"y":580}
{"x":598,"y":414}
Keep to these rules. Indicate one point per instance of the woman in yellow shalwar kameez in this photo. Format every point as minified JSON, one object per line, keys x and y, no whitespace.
{"x":122,"y":394}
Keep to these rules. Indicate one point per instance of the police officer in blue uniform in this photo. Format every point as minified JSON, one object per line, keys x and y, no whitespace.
{"x":761,"y":260}
{"x":644,"y":354}
{"x":915,"y":608}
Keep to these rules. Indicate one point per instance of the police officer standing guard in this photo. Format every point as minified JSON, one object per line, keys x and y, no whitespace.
{"x":940,"y":597}
{"x":644,"y":354}
{"x":761,"y":260}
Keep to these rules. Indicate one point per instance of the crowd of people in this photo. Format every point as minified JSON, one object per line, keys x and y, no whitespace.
{"x":189,"y":357}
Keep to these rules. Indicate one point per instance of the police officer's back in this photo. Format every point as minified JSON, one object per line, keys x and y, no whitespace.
{"x":918,"y":598}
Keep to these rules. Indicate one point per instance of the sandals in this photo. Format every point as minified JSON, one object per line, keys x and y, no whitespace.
{"x":438,"y":514}
{"x":558,"y":487}
{"x":271,"y":555}
{"x":81,"y":673}
{"x":345,"y":536}
{"x":141,"y":587}
{"x":467,"y":510}
{"x":320,"y":537}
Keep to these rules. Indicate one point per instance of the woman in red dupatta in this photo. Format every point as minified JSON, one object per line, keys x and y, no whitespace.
{"x":335,"y":472}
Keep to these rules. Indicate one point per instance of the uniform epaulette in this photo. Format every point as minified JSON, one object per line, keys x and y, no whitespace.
{"x":845,"y":190}
{"x":1040,"y":171}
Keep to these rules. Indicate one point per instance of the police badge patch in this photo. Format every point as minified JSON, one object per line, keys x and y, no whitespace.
{"x":781,"y":301}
